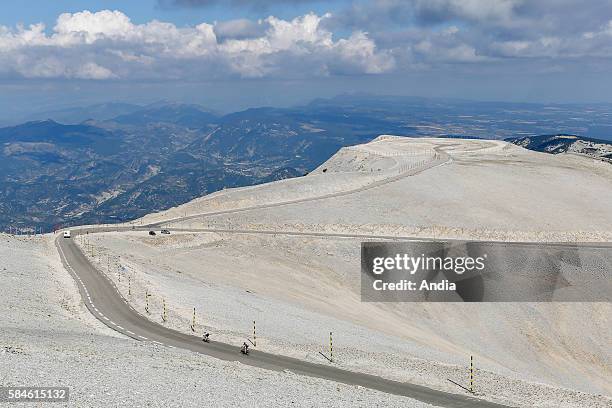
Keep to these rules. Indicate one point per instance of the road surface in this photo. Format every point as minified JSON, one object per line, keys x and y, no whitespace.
{"x":440,"y":158}
{"x":106,"y":303}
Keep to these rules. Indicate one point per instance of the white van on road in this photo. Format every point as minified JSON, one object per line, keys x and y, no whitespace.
{"x":66,"y":234}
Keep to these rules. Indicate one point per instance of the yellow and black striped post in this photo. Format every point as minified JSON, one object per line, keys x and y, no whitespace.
{"x":129,"y":286}
{"x":164,"y":314}
{"x":472,"y":374}
{"x":331,"y":348}
{"x":193,"y":321}
{"x":254,"y":335}
{"x":147,"y":302}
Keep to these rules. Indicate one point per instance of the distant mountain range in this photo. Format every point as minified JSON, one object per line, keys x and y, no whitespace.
{"x":154,"y":158}
{"x":114,"y":162}
{"x":555,"y":144}
{"x":189,"y":116}
{"x":71,"y":116}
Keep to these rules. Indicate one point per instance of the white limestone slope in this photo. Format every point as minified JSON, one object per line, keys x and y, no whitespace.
{"x":471,"y":189}
{"x":48,"y":338}
{"x":301,"y":287}
{"x":352,"y":169}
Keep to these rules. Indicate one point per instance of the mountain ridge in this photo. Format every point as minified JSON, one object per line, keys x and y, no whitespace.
{"x":160,"y":155}
{"x":566,"y":143}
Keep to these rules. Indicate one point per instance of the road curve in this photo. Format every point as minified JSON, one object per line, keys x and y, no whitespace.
{"x":105,"y":302}
{"x":365,"y":237}
{"x":440,"y":158}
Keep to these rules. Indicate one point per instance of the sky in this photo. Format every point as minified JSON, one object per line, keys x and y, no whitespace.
{"x":232,"y":54}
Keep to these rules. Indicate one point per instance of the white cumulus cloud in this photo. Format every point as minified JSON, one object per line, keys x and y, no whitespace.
{"x":108,"y":45}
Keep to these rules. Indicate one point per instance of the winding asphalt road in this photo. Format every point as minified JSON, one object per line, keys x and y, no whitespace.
{"x":440,"y":158}
{"x":106,"y":303}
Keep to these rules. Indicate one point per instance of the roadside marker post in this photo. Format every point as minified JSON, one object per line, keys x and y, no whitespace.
{"x":331,"y":348}
{"x":472,"y":374}
{"x":164,"y":315}
{"x":254,"y":341}
{"x":147,"y":304}
{"x":193,"y":321}
{"x":129,"y":286}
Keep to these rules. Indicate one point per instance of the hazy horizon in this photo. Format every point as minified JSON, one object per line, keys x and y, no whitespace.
{"x":38,"y":113}
{"x":229,"y":56}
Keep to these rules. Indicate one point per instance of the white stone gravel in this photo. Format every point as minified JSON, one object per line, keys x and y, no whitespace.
{"x":527,"y":353}
{"x":47,"y":338}
{"x":300,"y":288}
{"x":296,"y":290}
